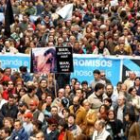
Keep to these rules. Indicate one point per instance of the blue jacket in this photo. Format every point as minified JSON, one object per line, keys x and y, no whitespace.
{"x":19,"y":135}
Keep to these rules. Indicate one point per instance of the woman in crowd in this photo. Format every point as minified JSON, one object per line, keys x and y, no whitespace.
{"x":101,"y":49}
{"x":64,"y":134}
{"x":116,"y":125}
{"x":135,"y":101}
{"x":132,"y":127}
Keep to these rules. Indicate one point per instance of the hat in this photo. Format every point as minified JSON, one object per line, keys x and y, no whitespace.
{"x":28,"y":115}
{"x":34,"y":103}
{"x":21,"y":103}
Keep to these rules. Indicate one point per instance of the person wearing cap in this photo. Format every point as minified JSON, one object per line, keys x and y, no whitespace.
{"x":23,"y":109}
{"x":37,"y":114}
{"x":27,"y":123}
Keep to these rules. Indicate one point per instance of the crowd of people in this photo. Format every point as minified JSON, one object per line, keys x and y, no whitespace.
{"x":53,"y":106}
{"x":96,"y":27}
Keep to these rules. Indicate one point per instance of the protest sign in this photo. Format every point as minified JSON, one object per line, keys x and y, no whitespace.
{"x":64,"y":59}
{"x":44,"y":60}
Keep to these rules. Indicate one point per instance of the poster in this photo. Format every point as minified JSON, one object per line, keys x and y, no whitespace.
{"x":64,"y":59}
{"x":44,"y":60}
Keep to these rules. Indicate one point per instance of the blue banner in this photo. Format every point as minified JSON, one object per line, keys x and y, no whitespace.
{"x":14,"y":61}
{"x":84,"y":65}
{"x":131,"y":64}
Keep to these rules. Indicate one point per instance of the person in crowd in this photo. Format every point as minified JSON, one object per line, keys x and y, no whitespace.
{"x":63,"y":104}
{"x":101,"y":49}
{"x":64,"y":134}
{"x":110,"y":93}
{"x":40,"y":136}
{"x":27,"y":123}
{"x":97,"y":97}
{"x":5,"y":133}
{"x":90,"y":119}
{"x":37,"y":114}
{"x":135,"y":101}
{"x":46,"y":107}
{"x":116,"y":126}
{"x":132,"y":127}
{"x":19,"y":132}
{"x":124,"y":90}
{"x":51,"y":132}
{"x":2,"y":100}
{"x":54,"y":113}
{"x":37,"y":126}
{"x":10,"y":90}
{"x":22,"y":110}
{"x":24,"y":73}
{"x":104,"y":78}
{"x":100,"y":131}
{"x":10,"y":109}
{"x":67,"y":90}
{"x":43,"y":88}
{"x":137,"y":85}
{"x":118,"y":88}
{"x":97,"y":78}
{"x":30,"y":95}
{"x":75,"y":85}
{"x":78,"y":110}
{"x":57,"y":100}
{"x":122,"y":109}
{"x":129,"y":82}
{"x":8,"y":122}
{"x":102,"y":114}
{"x":8,"y":71}
{"x":73,"y":127}
{"x":3,"y":77}
{"x":80,"y":94}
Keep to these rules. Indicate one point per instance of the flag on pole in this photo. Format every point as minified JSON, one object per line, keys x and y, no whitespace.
{"x":9,"y":18}
{"x":66,"y":12}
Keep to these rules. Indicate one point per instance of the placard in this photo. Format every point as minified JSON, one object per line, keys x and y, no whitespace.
{"x":64,"y":59}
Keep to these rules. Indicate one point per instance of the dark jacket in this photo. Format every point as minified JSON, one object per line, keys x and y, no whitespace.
{"x":52,"y":136}
{"x":127,"y":108}
{"x":20,"y":135}
{"x":9,"y":111}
